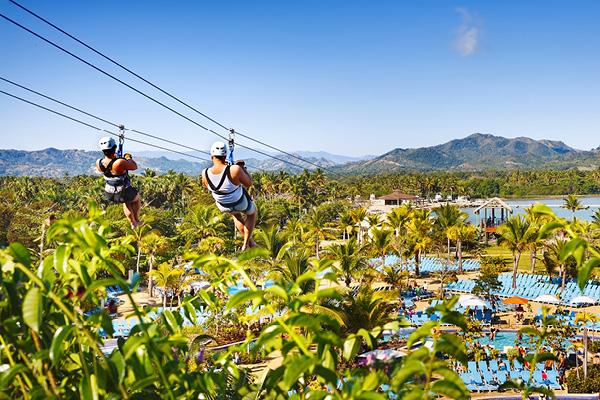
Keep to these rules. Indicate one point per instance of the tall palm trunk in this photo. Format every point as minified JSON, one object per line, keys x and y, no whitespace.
{"x":563,"y":272}
{"x":516,"y":259}
{"x":533,"y":259}
{"x":459,"y":252}
{"x":151,"y":267}
{"x":317,"y":248}
{"x":137,"y":260}
{"x":417,"y":263}
{"x":585,"y":351}
{"x":448,"y":249}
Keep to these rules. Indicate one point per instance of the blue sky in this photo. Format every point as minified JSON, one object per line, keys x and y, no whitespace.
{"x":348,"y":77}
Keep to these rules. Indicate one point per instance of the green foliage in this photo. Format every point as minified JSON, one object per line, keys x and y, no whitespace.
{"x":577,"y":384}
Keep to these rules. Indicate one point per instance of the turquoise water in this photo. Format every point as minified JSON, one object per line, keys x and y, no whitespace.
{"x":519,"y":206}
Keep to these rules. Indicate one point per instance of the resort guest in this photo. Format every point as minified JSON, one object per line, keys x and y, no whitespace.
{"x":544,"y":375}
{"x":228,"y":185}
{"x":495,"y":381}
{"x":548,"y":365}
{"x":501,"y":365}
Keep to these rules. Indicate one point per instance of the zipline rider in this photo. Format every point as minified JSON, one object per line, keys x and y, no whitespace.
{"x":117,"y":187}
{"x":228,"y":185}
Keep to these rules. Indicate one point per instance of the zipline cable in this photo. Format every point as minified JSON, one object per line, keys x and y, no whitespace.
{"x":100,"y":129}
{"x":99,"y":118}
{"x":162,"y":90}
{"x":142,"y":93}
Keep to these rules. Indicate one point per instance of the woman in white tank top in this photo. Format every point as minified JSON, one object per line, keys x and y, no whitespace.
{"x":228,"y":184}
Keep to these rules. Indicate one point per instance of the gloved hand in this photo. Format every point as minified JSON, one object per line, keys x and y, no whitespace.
{"x":127,"y":156}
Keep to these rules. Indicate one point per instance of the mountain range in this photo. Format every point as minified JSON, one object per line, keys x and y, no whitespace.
{"x":479,"y":152}
{"x":475,"y":152}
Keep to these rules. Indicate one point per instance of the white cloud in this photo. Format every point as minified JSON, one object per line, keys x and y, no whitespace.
{"x":468,"y":34}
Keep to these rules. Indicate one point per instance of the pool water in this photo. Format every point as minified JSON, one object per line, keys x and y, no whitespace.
{"x":507,"y":338}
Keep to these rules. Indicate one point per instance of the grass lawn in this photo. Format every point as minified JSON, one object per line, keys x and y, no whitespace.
{"x":495,"y":250}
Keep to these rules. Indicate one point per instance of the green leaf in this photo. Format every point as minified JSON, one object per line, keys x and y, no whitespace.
{"x":20,"y":254}
{"x":56,"y":347}
{"x":351,"y":346}
{"x":450,"y":344}
{"x":550,"y":227}
{"x":277,"y":291}
{"x":61,"y":259}
{"x":32,"y":309}
{"x":450,"y":389}
{"x":585,"y":271}
{"x":243,"y":297}
{"x":409,"y":370}
{"x":421,"y":333}
{"x":574,"y":248}
{"x":295,"y":367}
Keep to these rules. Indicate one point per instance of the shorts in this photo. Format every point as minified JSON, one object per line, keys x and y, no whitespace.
{"x":245,"y":206}
{"x":127,"y":195}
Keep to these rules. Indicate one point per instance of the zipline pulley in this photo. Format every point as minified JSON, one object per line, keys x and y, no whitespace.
{"x":230,"y":158}
{"x":121,"y":140}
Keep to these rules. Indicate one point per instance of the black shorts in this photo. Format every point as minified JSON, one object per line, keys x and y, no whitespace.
{"x":125,"y":196}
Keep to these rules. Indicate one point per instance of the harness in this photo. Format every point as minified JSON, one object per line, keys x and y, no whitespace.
{"x":217,"y":189}
{"x":114,"y":183}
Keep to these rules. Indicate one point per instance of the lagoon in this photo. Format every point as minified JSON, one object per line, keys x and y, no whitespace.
{"x":519,"y":205}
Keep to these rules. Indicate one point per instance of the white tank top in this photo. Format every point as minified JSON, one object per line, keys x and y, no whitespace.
{"x":222,"y":189}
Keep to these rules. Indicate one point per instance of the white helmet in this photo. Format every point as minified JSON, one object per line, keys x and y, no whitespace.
{"x":218,"y":149}
{"x":107,"y":143}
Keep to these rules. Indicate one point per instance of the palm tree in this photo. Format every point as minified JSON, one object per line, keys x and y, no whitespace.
{"x":346,"y":224}
{"x":398,"y":218}
{"x":317,"y":221}
{"x":381,"y":243}
{"x":514,"y":235}
{"x":460,"y":233}
{"x":295,"y":263}
{"x":419,"y":228}
{"x":365,"y":309}
{"x":153,"y":244}
{"x":166,"y":277}
{"x":447,"y":216}
{"x":202,"y":221}
{"x":347,"y":259}
{"x":584,"y":318}
{"x":374,"y":220}
{"x":273,"y":240}
{"x":358,"y":216}
{"x":138,"y":235}
{"x":572,"y":203}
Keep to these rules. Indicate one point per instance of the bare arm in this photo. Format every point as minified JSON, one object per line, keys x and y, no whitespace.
{"x":122,"y":165}
{"x":240,"y":176}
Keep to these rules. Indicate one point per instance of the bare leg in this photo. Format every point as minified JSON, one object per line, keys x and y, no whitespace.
{"x":136,"y":206}
{"x":238,"y":220}
{"x":129,"y":214}
{"x":249,"y":227}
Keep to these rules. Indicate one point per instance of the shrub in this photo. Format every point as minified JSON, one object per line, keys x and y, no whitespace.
{"x":579,"y":385}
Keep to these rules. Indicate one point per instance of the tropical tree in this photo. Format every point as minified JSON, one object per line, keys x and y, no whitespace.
{"x":274,"y":241}
{"x":573,"y":204}
{"x":365,"y":309}
{"x":460,"y":233}
{"x":374,"y":220}
{"x":358,"y":216}
{"x":166,"y":276}
{"x":584,"y":318}
{"x":153,"y":244}
{"x":514,"y":235}
{"x":381,"y":243}
{"x":348,"y":259}
{"x":295,"y":263}
{"x":317,"y":222}
{"x":420,"y":228}
{"x":346,"y":225}
{"x":202,"y":221}
{"x":448,"y":216}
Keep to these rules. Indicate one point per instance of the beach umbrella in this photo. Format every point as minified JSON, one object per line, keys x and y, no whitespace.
{"x":515,"y":300}
{"x":583,"y":300}
{"x":473,"y":302}
{"x":547,"y":298}
{"x":386,"y":354}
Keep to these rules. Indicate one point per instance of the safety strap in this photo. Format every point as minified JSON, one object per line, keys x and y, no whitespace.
{"x":230,"y":158}
{"x":216,"y":189}
{"x":107,"y":171}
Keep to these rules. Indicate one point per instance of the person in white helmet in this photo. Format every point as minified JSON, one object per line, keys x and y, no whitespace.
{"x":117,"y":188}
{"x":228,"y":185}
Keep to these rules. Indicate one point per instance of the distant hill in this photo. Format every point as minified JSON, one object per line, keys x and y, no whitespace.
{"x":479,"y":152}
{"x":57,"y":163}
